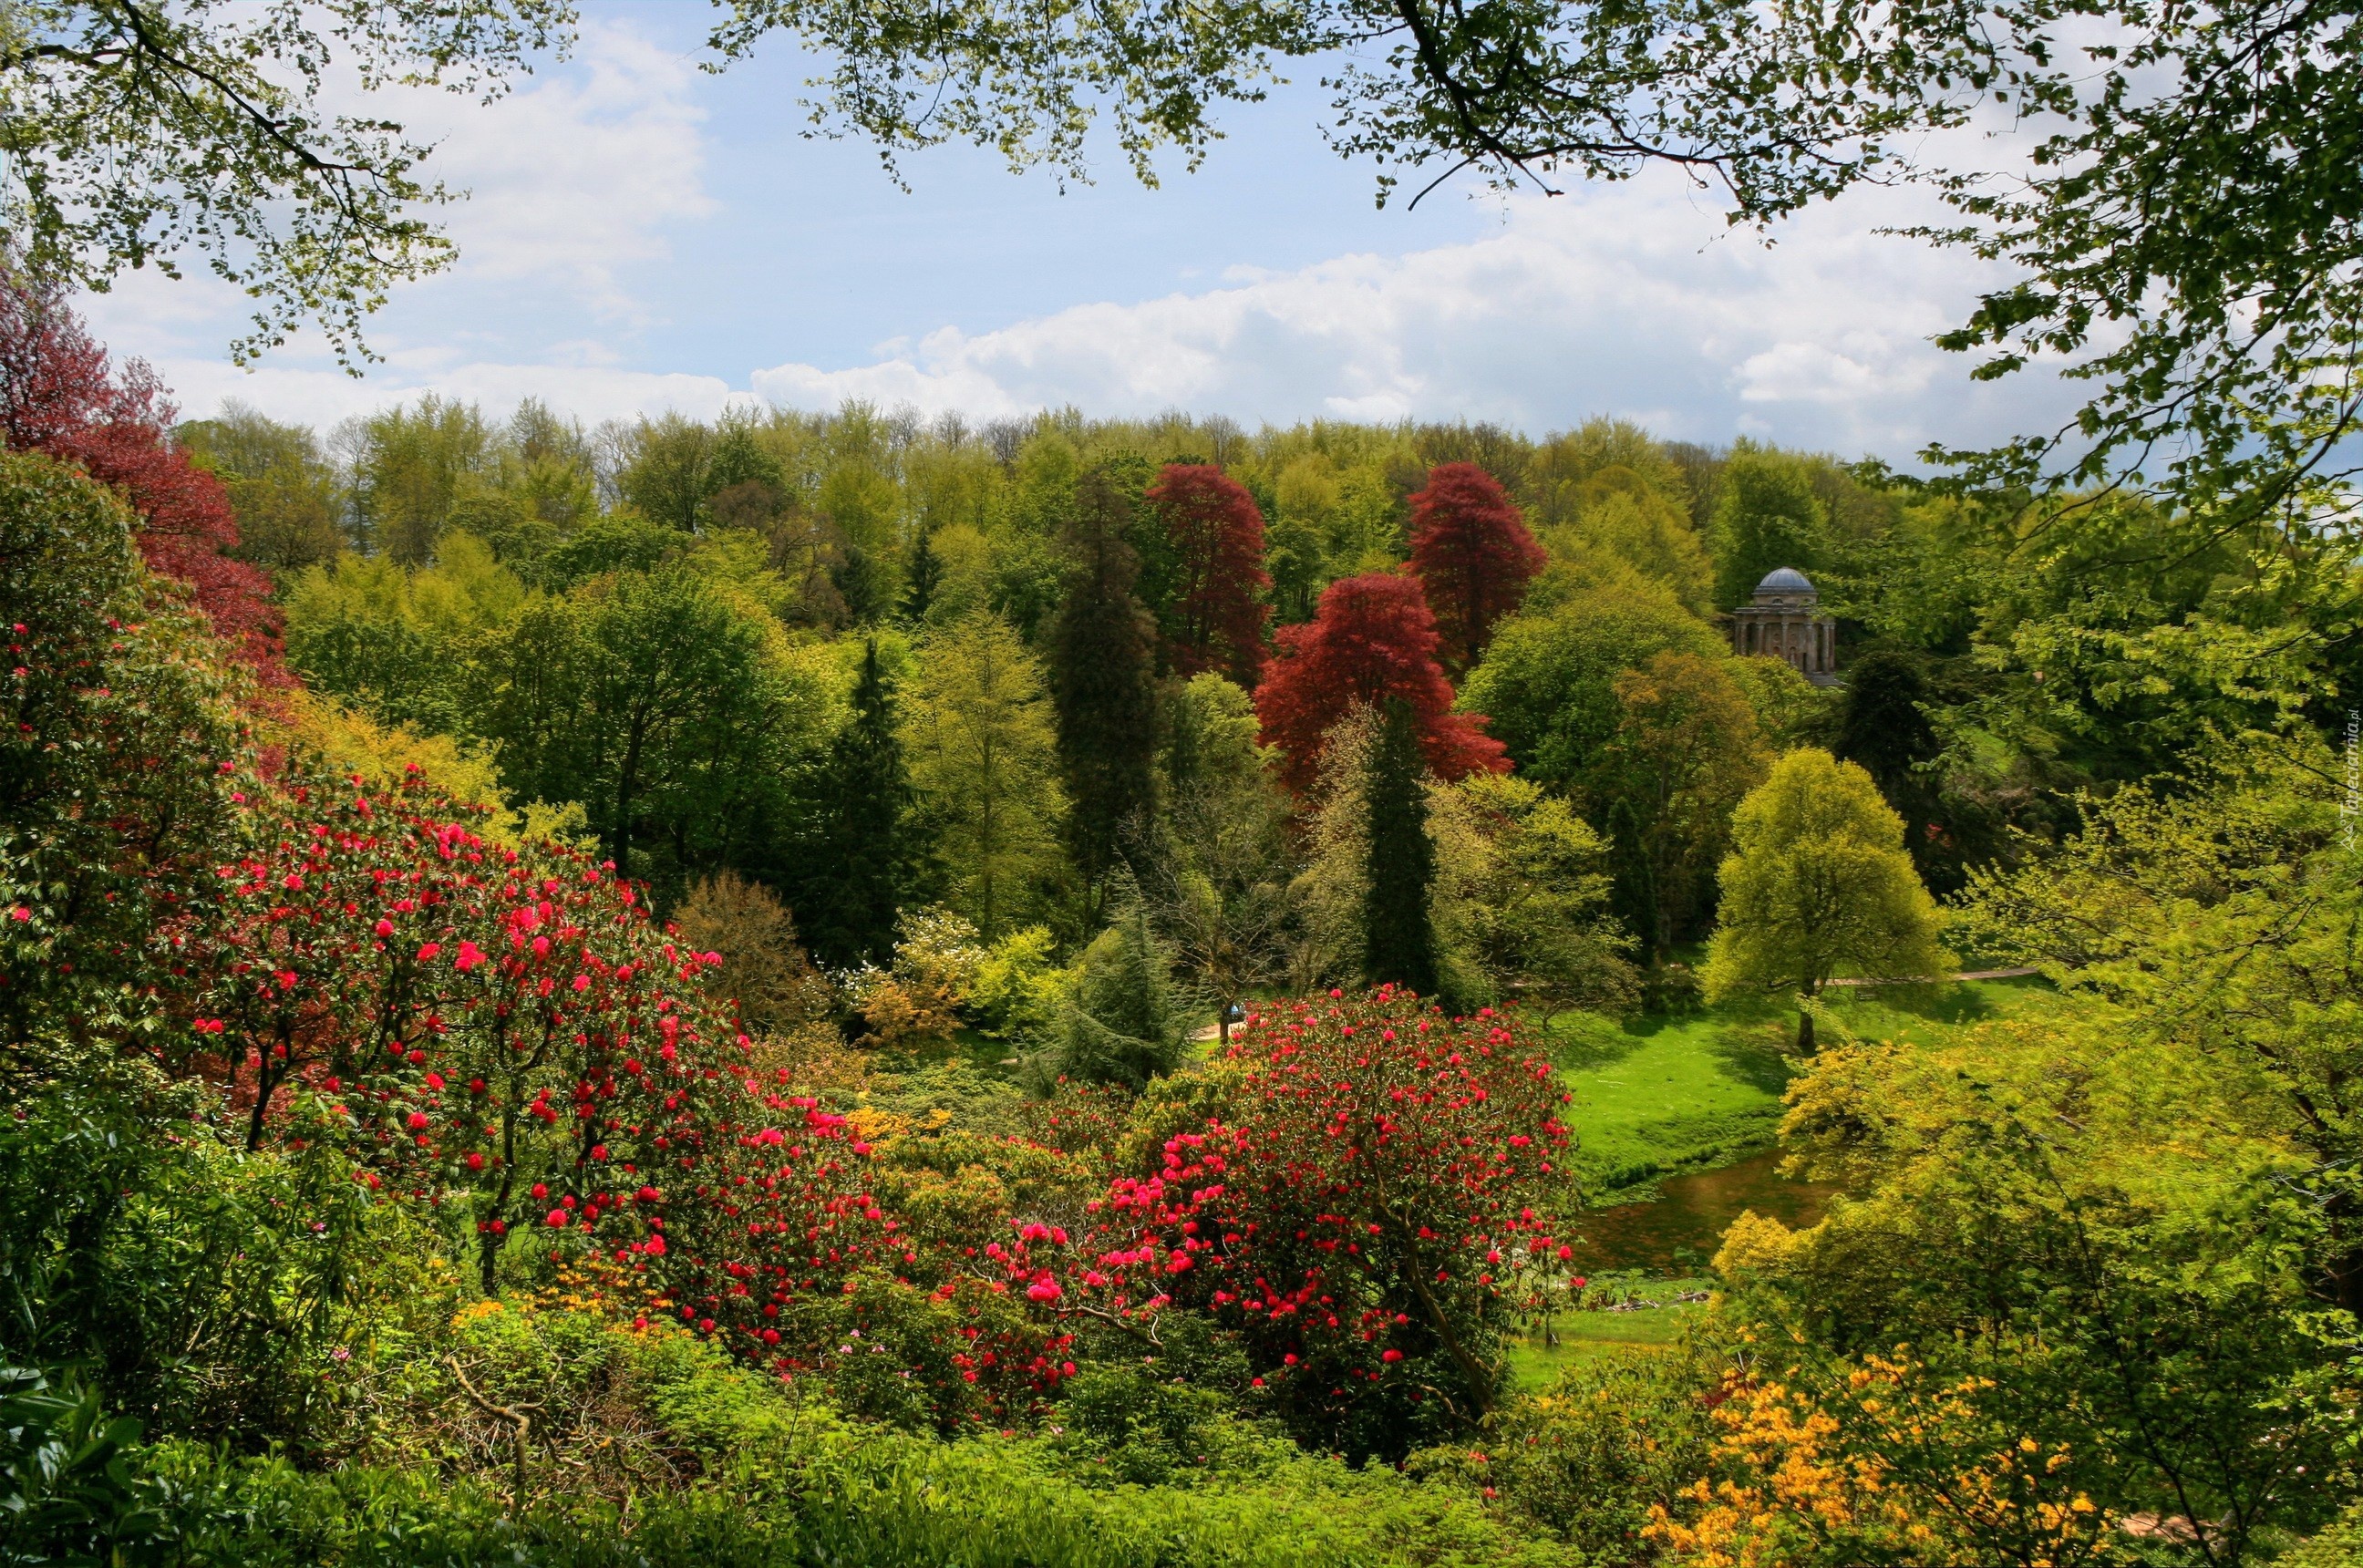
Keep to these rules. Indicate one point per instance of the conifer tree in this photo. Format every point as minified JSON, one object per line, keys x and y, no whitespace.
{"x":1399,"y":933}
{"x":1634,"y":877}
{"x":865,"y":855}
{"x":1103,"y":648}
{"x":921,"y":575}
{"x":1124,"y":1023}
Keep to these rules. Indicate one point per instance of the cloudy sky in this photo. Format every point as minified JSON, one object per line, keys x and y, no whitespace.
{"x":643,"y":235}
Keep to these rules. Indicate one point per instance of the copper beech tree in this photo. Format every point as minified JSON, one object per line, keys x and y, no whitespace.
{"x":1472,"y":553}
{"x":1373,"y":639}
{"x":1215,"y":533}
{"x":1356,"y":1214}
{"x":61,"y":396}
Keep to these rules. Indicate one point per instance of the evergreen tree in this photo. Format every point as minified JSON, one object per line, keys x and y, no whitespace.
{"x":864,"y":855}
{"x":1124,"y":1024}
{"x":1397,"y":933}
{"x":1103,"y":648}
{"x":921,"y":575}
{"x":1884,"y":728}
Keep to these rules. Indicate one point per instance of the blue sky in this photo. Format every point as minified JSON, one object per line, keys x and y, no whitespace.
{"x":644,"y":235}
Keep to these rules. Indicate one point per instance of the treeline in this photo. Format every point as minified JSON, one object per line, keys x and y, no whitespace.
{"x":878,"y":665}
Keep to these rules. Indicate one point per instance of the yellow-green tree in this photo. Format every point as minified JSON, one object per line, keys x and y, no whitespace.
{"x":984,"y":759}
{"x":1818,"y":884}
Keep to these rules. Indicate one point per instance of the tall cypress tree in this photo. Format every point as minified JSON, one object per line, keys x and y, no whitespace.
{"x":1102,"y":654}
{"x":1398,"y":934}
{"x":865,"y":854}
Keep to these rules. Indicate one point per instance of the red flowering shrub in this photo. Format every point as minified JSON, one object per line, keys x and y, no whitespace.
{"x":1356,"y":1217}
{"x":507,"y":1030}
{"x":1371,"y":640}
{"x":971,"y":1352}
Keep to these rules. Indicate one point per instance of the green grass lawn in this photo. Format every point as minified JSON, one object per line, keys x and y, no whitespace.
{"x":1655,"y":1095}
{"x":1583,"y":1337}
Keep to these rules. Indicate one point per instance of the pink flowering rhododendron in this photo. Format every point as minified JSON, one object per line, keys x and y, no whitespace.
{"x":1348,"y":1214}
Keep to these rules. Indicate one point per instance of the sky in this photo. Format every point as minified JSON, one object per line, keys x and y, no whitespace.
{"x":642,"y":235}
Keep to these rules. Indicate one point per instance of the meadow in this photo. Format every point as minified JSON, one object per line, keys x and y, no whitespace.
{"x":1659,"y":1096}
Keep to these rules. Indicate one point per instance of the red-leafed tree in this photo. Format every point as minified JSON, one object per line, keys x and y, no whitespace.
{"x":1372,"y":638}
{"x":1217,"y":614}
{"x":1361,"y":1213}
{"x":59,"y":394}
{"x":1474,"y":554}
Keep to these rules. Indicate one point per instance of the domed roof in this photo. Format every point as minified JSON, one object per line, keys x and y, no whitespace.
{"x":1785,"y":580}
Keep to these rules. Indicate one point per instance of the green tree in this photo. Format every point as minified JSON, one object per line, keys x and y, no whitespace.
{"x":1123,"y":1021}
{"x":1548,"y":687}
{"x":114,"y":812}
{"x":1398,"y":926}
{"x":1521,"y":900}
{"x":2217,"y":915}
{"x":1768,"y":516}
{"x":1884,"y":726}
{"x":410,"y":468}
{"x":1818,"y":884}
{"x":138,"y":131}
{"x":286,"y":497}
{"x":861,"y":855}
{"x":1220,"y":886}
{"x":1103,"y":653}
{"x":401,"y":645}
{"x":984,"y":751}
{"x":2067,"y":1244}
{"x":923,"y":574}
{"x":670,"y":711}
{"x":1686,"y":750}
{"x":667,"y":471}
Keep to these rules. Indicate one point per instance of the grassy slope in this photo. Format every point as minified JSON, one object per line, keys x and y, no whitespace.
{"x":1662,"y":1095}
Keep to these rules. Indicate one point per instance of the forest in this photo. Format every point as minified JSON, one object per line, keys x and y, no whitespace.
{"x":845,"y":988}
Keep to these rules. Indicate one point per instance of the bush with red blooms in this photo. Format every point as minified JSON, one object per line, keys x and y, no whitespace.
{"x":1371,"y":639}
{"x":1472,"y":553}
{"x":971,"y":1352}
{"x":117,"y":718}
{"x":1358,"y":1216}
{"x":59,"y":394}
{"x":1217,"y":620}
{"x":506,"y":1031}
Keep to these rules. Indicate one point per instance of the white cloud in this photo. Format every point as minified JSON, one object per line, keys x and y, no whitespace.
{"x":1628,"y":299}
{"x":321,"y":398}
{"x":1632,"y":299}
{"x":581,"y":172}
